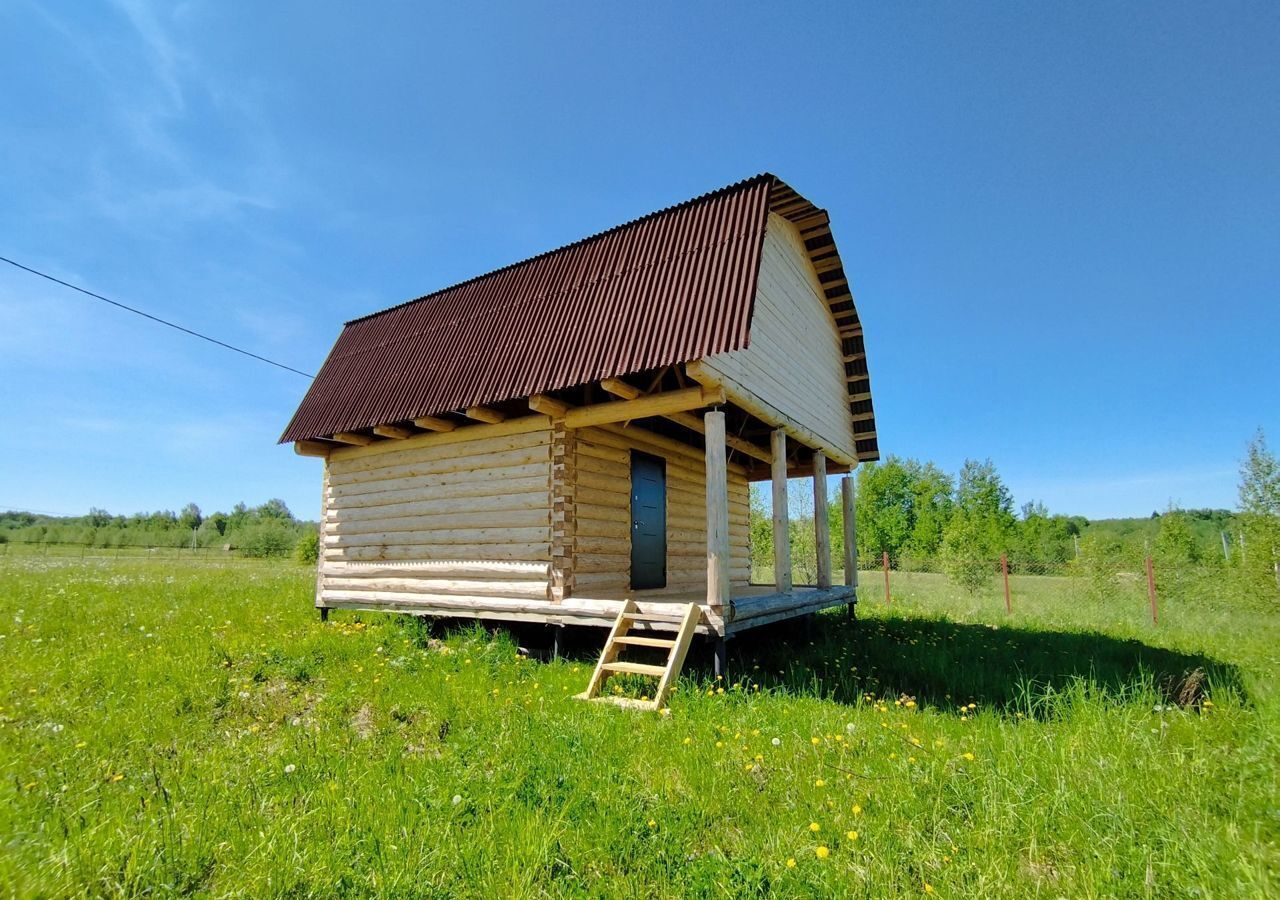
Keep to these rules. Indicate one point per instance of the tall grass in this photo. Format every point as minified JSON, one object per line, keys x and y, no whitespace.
{"x":173,"y":728}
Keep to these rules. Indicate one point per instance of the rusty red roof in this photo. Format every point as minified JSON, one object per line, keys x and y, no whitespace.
{"x":671,"y":287}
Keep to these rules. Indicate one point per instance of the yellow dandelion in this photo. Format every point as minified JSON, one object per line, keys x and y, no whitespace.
{"x":653,"y":824}
{"x":819,"y":783}
{"x":815,"y":827}
{"x":822,"y":852}
{"x":719,"y":744}
{"x":969,"y":757}
{"x":687,"y":741}
{"x":851,"y":835}
{"x":857,"y":810}
{"x":928,"y":888}
{"x":815,"y":741}
{"x":117,"y":777}
{"x":791,"y":862}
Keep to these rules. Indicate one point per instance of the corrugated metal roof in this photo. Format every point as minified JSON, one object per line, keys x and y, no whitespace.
{"x":673,"y":286}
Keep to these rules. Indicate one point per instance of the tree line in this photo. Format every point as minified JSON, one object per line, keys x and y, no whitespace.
{"x":919,"y":514}
{"x":267,"y":530}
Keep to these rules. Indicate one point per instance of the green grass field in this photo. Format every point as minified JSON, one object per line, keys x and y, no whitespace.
{"x":177,"y":727}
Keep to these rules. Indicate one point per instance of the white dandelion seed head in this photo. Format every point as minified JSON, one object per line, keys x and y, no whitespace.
{"x":290,"y":769}
{"x":457,"y":798}
{"x":777,"y":742}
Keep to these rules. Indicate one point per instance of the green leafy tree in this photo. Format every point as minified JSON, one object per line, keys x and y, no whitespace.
{"x":760,"y":534}
{"x":981,"y":526}
{"x":885,"y":507}
{"x":190,"y":517}
{"x":1175,"y":544}
{"x":1260,"y":517}
{"x":932,"y":507}
{"x":274,"y":508}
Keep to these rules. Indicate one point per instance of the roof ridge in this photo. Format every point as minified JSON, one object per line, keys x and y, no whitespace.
{"x":693,"y":201}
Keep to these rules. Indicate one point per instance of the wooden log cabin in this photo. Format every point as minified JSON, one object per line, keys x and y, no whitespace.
{"x":543,"y":442}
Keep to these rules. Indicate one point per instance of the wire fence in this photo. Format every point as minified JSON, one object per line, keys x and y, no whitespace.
{"x":67,"y":550}
{"x":1147,"y":588}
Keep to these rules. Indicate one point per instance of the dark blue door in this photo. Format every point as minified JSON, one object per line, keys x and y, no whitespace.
{"x":648,"y":521}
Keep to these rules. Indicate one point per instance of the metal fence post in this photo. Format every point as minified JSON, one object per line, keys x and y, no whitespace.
{"x":1004,"y":568}
{"x":885,"y":558}
{"x":1151,"y":591}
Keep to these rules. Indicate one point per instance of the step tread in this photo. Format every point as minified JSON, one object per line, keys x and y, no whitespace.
{"x":624,"y":702}
{"x":673,"y":618}
{"x":637,"y":641}
{"x":629,"y":668}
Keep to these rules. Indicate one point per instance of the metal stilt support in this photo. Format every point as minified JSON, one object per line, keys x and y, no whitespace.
{"x":722,"y":657}
{"x":324,"y":614}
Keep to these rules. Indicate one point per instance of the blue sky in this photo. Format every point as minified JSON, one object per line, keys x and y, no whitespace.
{"x":1061,"y":222}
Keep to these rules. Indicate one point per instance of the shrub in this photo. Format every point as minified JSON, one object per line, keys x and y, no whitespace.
{"x":265,"y":539}
{"x":307,"y":550}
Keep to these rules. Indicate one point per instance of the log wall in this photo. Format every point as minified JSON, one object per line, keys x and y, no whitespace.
{"x":440,"y":520}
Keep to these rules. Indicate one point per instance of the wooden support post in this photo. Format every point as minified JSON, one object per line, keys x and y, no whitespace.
{"x":847,"y":499}
{"x":1004,"y":570}
{"x":717,"y":512}
{"x":781,"y":520}
{"x":821,"y":526}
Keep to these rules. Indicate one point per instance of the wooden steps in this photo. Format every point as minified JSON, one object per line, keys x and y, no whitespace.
{"x":619,"y":639}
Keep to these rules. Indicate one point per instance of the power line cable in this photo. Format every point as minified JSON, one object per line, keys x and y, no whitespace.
{"x":146,"y":315}
{"x":38,"y":512}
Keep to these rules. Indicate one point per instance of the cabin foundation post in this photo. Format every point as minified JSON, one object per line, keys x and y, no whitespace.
{"x":324,"y":614}
{"x":557,"y":639}
{"x":781,"y":520}
{"x":821,"y":525}
{"x":721,"y":652}
{"x":718,"y":550}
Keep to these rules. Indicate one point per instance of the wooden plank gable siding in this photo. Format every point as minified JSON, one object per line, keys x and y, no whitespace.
{"x":793,"y":363}
{"x":439,"y":518}
{"x":602,"y":513}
